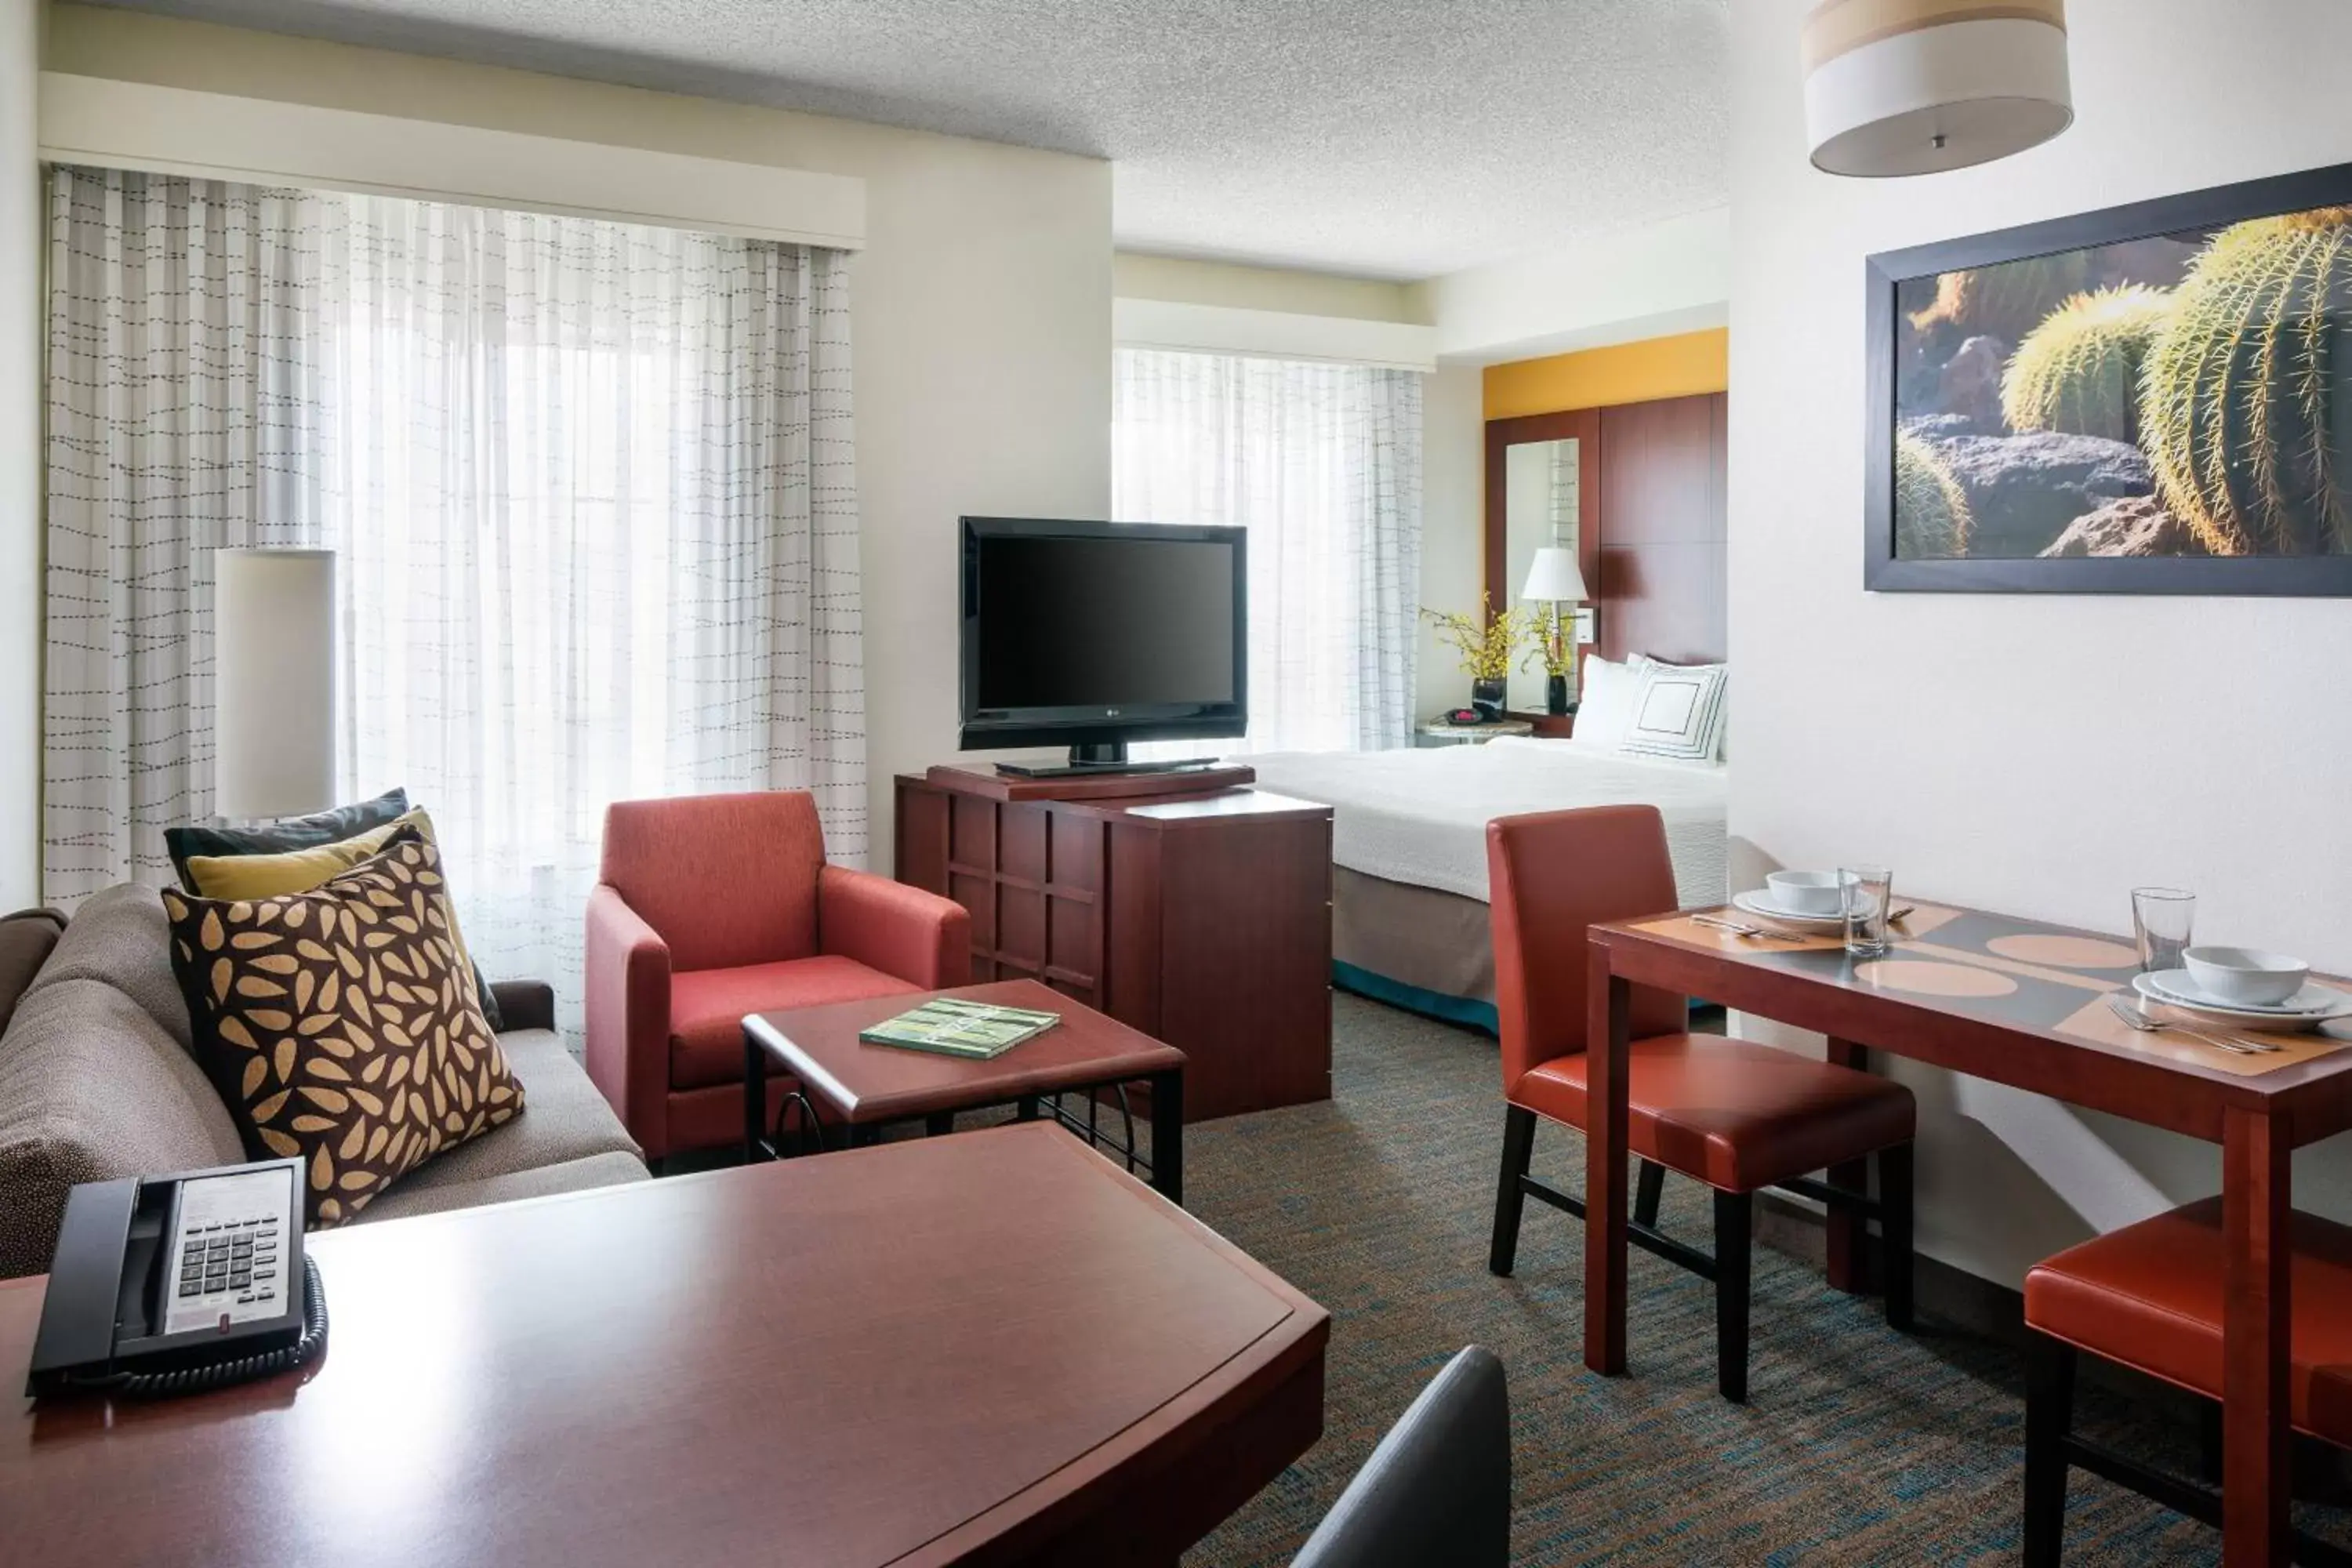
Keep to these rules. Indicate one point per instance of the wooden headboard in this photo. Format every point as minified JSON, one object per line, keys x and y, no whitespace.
{"x":1651,"y":534}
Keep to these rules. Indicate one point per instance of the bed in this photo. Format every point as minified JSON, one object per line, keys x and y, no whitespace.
{"x":1409,"y":847}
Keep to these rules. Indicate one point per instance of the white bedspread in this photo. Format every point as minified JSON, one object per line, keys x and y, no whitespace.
{"x":1420,"y":817}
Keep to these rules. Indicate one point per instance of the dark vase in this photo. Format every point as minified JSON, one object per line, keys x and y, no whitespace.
{"x":1487,"y":698}
{"x":1556,"y":694}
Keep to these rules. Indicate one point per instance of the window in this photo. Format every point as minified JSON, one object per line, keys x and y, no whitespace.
{"x":1322,"y":464}
{"x":589,"y":487}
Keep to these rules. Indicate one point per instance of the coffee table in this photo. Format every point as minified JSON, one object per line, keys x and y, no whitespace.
{"x":868,"y":1087}
{"x":981,"y":1350}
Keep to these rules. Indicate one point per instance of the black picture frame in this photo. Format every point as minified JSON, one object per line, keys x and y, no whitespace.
{"x":2313,"y":576}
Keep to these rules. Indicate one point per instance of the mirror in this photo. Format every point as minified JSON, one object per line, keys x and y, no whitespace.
{"x":1543,"y":484}
{"x":1541,"y":497}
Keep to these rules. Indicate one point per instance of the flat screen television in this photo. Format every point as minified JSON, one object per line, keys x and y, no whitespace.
{"x":1093,"y":635}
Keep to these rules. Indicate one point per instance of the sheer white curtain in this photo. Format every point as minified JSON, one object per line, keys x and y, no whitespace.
{"x":1322,"y":464}
{"x":590,"y":487}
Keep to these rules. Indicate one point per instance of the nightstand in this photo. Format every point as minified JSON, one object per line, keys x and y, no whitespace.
{"x":1438,"y":732}
{"x":1550,"y":726}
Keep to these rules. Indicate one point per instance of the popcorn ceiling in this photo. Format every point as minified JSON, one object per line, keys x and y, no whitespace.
{"x":1385,"y":138}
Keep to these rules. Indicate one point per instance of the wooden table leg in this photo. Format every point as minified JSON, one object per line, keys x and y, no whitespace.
{"x":1608,"y":1003}
{"x":2257,"y":1200}
{"x":1848,"y":1230}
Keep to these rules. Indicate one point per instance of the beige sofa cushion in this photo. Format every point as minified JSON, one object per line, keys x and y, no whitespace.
{"x":564,"y":1119}
{"x":121,"y":937}
{"x":93,"y":1089}
{"x":405,"y":1200}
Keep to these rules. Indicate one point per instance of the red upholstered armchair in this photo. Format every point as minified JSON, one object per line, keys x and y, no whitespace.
{"x":709,"y":907}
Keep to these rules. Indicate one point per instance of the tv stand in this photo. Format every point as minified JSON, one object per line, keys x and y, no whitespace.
{"x":1199,"y":913}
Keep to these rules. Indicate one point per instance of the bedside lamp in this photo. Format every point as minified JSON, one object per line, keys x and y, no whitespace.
{"x":273,"y":682}
{"x":1555,"y":579}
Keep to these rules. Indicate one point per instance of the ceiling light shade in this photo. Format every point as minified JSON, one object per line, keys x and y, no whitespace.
{"x":273,"y":682}
{"x":1916,"y":87}
{"x":1553,"y":577}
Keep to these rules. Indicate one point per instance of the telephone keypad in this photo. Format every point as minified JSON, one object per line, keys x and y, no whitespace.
{"x":237,"y":1258}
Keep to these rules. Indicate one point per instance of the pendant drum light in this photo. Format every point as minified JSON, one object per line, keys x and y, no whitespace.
{"x":1917,"y":86}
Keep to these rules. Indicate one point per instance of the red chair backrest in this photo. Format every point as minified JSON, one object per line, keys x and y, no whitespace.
{"x":725,"y":880}
{"x":1550,"y":875}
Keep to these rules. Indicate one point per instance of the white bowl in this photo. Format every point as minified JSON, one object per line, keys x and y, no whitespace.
{"x":2245,"y":975}
{"x":1807,"y":892}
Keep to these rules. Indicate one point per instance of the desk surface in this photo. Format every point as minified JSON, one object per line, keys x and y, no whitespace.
{"x":1969,"y":989}
{"x":953,"y":1350}
{"x":870,"y":1083}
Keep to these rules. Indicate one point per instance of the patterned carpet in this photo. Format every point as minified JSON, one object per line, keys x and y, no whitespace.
{"x":1858,"y":1446}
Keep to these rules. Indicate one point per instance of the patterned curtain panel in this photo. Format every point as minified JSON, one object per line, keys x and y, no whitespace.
{"x":1322,"y":464}
{"x":591,"y":489}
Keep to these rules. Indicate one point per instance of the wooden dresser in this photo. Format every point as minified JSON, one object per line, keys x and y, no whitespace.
{"x":1200,"y":915}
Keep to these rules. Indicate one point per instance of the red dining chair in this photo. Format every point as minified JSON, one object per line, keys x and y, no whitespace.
{"x":2151,"y":1296}
{"x":712,"y":905}
{"x":1735,"y":1114}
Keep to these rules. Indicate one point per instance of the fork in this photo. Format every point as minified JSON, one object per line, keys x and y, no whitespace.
{"x":2137,"y":1018}
{"x":1737,"y":929}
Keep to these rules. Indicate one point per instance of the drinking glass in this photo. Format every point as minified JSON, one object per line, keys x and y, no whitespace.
{"x":1869,"y":893}
{"x":2162,"y":918}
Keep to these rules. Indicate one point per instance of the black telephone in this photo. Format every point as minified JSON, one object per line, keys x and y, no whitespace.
{"x":172,"y":1284}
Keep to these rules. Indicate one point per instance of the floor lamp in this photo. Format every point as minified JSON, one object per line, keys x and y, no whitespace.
{"x":1555,"y":579}
{"x":273,"y":683}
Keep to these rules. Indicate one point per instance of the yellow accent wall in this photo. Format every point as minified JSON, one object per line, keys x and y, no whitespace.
{"x":1681,"y":366}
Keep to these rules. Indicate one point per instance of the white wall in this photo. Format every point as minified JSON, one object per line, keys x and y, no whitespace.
{"x":982,"y":312}
{"x":2038,"y":754}
{"x":1452,"y":522}
{"x":20,"y":457}
{"x":1645,"y":282}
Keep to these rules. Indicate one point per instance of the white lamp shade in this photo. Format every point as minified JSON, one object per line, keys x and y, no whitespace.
{"x":1554,"y":577}
{"x":273,"y":682}
{"x":1915,"y":87}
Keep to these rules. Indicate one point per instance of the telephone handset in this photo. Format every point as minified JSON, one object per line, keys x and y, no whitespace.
{"x":172,"y":1284}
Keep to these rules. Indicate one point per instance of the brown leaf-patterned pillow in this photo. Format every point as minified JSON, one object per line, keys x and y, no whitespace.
{"x":341,"y":1025}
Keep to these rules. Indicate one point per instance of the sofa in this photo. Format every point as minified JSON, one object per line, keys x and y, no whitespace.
{"x":97,"y":1081}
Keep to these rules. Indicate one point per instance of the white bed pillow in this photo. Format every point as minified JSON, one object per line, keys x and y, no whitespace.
{"x":1679,"y":711}
{"x":1605,"y":711}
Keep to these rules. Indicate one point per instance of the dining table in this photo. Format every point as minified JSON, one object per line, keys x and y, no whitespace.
{"x":2020,"y":1002}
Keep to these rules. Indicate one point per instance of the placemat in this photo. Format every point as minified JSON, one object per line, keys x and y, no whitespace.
{"x":2097,"y":1021}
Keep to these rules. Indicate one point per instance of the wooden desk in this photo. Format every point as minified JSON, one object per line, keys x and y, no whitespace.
{"x":868,"y":1087}
{"x":985,"y":1349}
{"x":2020,"y":1003}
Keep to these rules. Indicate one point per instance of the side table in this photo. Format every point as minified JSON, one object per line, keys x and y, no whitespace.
{"x":867,"y":1087}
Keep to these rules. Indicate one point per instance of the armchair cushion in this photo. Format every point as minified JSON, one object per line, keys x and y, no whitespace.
{"x":725,"y":880}
{"x":707,"y":1009}
{"x":923,"y":939}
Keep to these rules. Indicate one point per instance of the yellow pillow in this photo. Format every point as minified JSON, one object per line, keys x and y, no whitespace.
{"x":292,"y":870}
{"x":302,"y":870}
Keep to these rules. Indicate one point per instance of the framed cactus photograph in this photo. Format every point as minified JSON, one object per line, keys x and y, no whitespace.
{"x":2152,"y":399}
